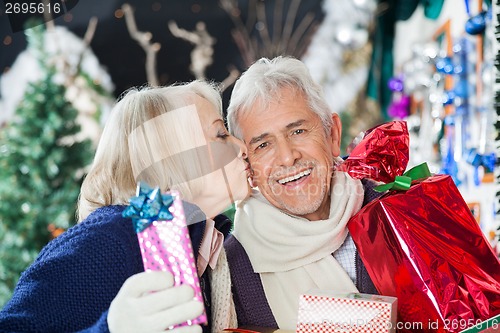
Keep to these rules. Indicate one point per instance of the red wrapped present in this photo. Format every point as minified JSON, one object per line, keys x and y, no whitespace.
{"x":381,"y":155}
{"x":420,"y":242}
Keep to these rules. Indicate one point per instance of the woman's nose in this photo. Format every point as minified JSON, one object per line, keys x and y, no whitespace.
{"x":242,"y":148}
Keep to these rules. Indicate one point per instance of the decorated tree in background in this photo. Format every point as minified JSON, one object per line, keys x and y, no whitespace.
{"x":41,"y":167}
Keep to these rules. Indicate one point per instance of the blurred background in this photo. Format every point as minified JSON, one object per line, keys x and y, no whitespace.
{"x":429,"y":62}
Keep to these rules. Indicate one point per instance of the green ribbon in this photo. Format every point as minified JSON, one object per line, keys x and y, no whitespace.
{"x":403,"y":183}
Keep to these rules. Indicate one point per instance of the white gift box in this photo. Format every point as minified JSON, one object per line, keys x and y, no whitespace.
{"x":322,"y":311}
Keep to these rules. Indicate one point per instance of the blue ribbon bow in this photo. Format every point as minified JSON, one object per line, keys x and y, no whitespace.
{"x":147,"y":206}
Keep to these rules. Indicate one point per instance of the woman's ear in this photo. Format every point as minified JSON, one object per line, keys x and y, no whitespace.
{"x":336,"y":134}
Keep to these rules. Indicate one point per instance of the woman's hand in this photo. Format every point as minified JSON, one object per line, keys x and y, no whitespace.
{"x":148,"y":302}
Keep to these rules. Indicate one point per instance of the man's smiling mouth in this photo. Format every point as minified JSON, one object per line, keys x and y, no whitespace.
{"x":296,"y":177}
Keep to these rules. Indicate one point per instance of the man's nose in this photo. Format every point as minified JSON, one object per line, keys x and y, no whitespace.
{"x":287,"y":153}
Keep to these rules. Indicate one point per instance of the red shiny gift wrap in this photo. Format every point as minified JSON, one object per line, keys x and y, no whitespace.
{"x":381,"y":155}
{"x":424,"y":247}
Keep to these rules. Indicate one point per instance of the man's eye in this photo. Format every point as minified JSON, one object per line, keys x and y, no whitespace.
{"x":299,"y":131}
{"x":262,"y":145}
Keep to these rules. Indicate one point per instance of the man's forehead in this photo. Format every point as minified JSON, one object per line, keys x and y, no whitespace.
{"x":257,"y":134}
{"x":275,"y":119}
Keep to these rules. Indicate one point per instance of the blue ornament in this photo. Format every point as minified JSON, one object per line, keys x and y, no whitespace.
{"x":476,"y":24}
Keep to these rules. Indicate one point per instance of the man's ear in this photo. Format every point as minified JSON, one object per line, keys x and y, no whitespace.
{"x":336,"y":134}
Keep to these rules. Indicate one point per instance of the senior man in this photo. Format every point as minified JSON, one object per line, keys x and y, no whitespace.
{"x":291,"y":235}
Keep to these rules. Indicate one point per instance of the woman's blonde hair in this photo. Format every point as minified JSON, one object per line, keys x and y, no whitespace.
{"x":140,"y":137}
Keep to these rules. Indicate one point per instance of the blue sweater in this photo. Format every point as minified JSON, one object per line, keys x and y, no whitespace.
{"x":71,"y":284}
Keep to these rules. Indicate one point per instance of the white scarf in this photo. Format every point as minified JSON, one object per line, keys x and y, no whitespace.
{"x":293,"y":254}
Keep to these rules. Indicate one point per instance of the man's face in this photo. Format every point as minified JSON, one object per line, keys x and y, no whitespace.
{"x":291,"y":155}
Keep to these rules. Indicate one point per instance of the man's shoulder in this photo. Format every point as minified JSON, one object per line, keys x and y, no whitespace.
{"x":231,"y":244}
{"x":236,"y":254}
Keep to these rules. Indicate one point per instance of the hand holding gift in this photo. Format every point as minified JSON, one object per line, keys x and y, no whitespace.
{"x":165,"y":246}
{"x":420,"y":242}
{"x":149,"y":302}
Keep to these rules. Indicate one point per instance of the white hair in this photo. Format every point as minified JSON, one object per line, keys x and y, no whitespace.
{"x":262,"y":83}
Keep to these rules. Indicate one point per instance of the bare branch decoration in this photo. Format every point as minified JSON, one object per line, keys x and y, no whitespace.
{"x":87,"y":39}
{"x":89,"y":34}
{"x":263,"y":31}
{"x":230,"y":79}
{"x":241,"y":34}
{"x":290,"y":19}
{"x":202,"y":54}
{"x":288,"y":36}
{"x":144,"y":40}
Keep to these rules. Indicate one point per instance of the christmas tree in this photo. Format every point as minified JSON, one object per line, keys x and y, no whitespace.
{"x":41,"y":171}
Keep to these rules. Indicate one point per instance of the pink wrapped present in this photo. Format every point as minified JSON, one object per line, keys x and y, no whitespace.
{"x":164,"y":240}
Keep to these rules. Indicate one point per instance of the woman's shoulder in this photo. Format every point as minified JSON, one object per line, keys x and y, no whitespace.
{"x":103,"y":246}
{"x":107,"y":217}
{"x":104,"y":215}
{"x":104,"y":226}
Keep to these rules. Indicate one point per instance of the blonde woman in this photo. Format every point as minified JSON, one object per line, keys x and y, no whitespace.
{"x":91,"y":277}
